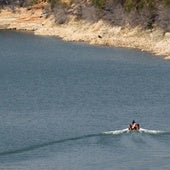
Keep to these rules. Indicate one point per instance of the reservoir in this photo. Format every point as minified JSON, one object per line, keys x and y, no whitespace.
{"x":65,"y":106}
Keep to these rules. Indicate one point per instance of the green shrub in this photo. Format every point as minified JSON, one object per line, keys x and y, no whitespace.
{"x":53,"y":3}
{"x":57,"y":2}
{"x":129,"y":5}
{"x":33,"y":2}
{"x":137,"y":5}
{"x":166,"y":2}
{"x":100,"y":3}
{"x":133,"y":5}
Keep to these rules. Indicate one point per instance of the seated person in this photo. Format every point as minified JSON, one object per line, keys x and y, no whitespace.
{"x":134,"y":126}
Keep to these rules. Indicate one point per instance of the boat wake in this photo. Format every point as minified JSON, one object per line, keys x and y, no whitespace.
{"x":151,"y":131}
{"x":114,"y":132}
{"x":146,"y":131}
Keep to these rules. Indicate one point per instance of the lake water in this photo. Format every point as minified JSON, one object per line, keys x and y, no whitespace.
{"x":66,"y":106}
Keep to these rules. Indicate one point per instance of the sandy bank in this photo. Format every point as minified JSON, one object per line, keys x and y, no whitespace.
{"x":99,"y":32}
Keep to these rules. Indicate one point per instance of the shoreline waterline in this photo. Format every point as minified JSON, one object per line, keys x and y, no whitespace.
{"x":95,"y":33}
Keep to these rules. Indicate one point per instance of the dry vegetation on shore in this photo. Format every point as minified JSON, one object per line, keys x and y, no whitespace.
{"x":104,"y":24}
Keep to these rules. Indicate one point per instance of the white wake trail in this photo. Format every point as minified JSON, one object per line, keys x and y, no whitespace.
{"x":146,"y":131}
{"x":151,"y":131}
{"x":116,"y":132}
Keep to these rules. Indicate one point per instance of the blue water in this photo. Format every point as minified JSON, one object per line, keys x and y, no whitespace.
{"x":65,"y":106}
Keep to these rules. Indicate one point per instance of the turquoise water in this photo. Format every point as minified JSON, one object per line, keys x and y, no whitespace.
{"x":67,"y":106}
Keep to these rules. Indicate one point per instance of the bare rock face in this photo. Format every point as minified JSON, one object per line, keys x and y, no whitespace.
{"x":6,"y":19}
{"x":157,"y":34}
{"x":167,"y":35}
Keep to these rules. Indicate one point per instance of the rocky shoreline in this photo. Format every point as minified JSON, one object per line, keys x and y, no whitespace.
{"x":99,"y":32}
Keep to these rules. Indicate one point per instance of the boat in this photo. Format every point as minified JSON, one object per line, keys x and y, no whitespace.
{"x":134,"y":126}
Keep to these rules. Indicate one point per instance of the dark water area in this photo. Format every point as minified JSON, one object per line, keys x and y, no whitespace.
{"x":58,"y":98}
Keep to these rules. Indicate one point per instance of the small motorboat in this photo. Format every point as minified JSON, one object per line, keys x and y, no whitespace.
{"x":134,"y":126}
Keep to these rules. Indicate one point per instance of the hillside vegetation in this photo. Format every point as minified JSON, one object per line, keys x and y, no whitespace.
{"x":146,"y":13}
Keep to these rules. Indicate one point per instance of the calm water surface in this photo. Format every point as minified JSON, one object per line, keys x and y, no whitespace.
{"x":57,"y":99}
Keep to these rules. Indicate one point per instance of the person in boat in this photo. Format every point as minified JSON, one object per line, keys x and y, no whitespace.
{"x":134,"y":126}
